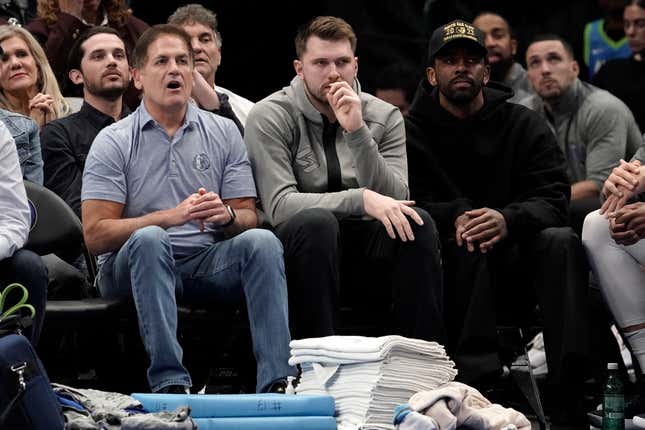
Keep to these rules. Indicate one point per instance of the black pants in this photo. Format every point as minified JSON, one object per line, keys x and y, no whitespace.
{"x":316,"y":245}
{"x":503,"y":286}
{"x":579,"y":209}
{"x":28,"y":269}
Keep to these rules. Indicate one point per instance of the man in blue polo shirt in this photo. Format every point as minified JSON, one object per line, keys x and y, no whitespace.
{"x":168,"y":200}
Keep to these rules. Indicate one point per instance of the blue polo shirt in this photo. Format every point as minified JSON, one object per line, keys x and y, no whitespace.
{"x":135,"y":163}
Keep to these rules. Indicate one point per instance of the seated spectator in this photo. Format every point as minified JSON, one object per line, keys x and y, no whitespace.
{"x":168,"y":202}
{"x":594,"y":129}
{"x":604,"y":38}
{"x":613,"y":240}
{"x":28,"y":87}
{"x":25,"y":134}
{"x":98,"y":63}
{"x":330,"y":166}
{"x":17,"y":12}
{"x":201,"y":25}
{"x":396,"y":84}
{"x":491,"y":175}
{"x":18,"y":264}
{"x":27,"y":83}
{"x":502,"y":48}
{"x":625,"y":77}
{"x":60,"y":22}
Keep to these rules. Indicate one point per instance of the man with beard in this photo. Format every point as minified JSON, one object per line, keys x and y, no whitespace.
{"x":595,"y":130}
{"x":490,"y":173}
{"x":330,"y":166}
{"x":98,"y":62}
{"x":502,"y":47}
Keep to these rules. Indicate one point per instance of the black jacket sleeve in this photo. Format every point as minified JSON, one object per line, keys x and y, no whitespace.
{"x":63,"y":174}
{"x":540,"y":187}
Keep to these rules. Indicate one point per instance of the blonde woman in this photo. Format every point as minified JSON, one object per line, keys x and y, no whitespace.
{"x":27,"y":82}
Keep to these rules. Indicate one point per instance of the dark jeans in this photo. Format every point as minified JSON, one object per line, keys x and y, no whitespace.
{"x":28,"y":269}
{"x":503,"y":286}
{"x":316,"y":246}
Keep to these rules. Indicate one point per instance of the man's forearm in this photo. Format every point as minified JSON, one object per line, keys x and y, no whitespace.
{"x":108,"y":235}
{"x":584,"y":190}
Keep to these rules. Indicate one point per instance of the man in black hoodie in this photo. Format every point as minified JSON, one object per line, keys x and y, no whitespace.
{"x":491,"y":175}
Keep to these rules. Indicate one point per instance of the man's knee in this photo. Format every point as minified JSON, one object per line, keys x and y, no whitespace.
{"x":260,"y":240}
{"x":315,"y":220}
{"x":149,"y":238}
{"x":311,"y":229}
{"x":558,"y":236}
{"x":428,"y":230}
{"x":563,"y":245}
{"x":26,"y":261}
{"x":595,"y":230}
{"x":28,"y":268}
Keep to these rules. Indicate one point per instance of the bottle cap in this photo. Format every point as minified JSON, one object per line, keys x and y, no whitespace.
{"x":612,"y":366}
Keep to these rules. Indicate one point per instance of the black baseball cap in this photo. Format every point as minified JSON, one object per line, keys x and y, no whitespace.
{"x":452,"y":32}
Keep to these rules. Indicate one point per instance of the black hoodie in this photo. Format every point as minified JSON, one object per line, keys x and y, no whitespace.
{"x":503,"y":157}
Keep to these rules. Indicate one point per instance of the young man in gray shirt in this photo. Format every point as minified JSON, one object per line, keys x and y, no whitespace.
{"x":594,"y":129}
{"x":331,"y":171}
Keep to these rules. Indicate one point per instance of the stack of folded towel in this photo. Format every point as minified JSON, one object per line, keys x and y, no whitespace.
{"x":369,"y":377}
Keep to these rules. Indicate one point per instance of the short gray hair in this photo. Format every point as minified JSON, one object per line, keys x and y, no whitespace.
{"x":196,"y":14}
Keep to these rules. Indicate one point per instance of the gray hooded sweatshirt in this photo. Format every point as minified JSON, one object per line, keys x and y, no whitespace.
{"x":283,"y":135}
{"x":594,"y":130}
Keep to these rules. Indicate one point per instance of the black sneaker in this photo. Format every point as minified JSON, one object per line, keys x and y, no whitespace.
{"x":278,"y":387}
{"x":594,"y":418}
{"x":174,"y":389}
{"x":595,"y":421}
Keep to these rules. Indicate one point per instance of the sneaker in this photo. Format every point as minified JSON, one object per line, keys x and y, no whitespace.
{"x":174,"y":389}
{"x":594,"y":418}
{"x":278,"y":387}
{"x":537,"y":355}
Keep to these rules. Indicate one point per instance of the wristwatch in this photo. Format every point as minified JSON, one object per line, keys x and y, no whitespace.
{"x":231,"y":212}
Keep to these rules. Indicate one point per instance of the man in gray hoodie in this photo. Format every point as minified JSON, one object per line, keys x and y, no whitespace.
{"x":331,"y":170}
{"x":594,"y":129}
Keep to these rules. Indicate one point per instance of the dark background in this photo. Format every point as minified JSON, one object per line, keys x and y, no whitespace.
{"x":258,"y":52}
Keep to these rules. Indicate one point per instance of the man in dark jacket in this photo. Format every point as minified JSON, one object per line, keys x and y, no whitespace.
{"x":491,"y":175}
{"x":99,"y":64}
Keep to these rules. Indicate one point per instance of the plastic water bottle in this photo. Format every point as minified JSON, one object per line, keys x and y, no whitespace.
{"x":613,"y":404}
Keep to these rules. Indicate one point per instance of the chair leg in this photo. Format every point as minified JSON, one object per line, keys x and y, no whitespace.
{"x":523,"y":376}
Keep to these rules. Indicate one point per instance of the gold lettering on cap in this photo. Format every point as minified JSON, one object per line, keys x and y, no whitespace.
{"x":458,"y":30}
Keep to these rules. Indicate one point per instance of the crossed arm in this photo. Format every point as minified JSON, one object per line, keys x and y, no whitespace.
{"x":106,"y":231}
{"x":626,"y":221}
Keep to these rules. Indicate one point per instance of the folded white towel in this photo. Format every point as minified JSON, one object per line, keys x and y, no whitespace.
{"x":369,"y":377}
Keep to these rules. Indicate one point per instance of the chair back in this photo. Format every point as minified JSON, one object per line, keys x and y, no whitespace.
{"x":55,"y":228}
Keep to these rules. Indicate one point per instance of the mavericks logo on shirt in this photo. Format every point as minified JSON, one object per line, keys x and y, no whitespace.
{"x":201,"y":162}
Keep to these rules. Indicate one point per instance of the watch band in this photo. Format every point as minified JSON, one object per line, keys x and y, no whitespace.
{"x":231,"y":212}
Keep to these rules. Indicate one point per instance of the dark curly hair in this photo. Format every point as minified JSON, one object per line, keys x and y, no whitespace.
{"x":115,"y":9}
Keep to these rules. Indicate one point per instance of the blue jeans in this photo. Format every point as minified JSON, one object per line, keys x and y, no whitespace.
{"x":27,"y":268}
{"x":249,"y":265}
